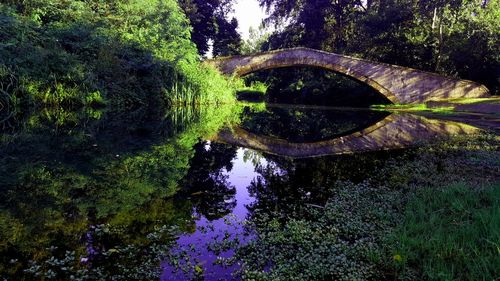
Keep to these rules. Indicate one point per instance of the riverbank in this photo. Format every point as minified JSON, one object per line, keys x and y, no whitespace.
{"x":483,"y":113}
{"x":477,"y":105}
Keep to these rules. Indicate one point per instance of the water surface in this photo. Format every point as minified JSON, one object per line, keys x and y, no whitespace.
{"x":123,"y":195}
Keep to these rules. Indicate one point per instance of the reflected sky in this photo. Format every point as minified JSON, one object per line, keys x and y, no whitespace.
{"x":201,"y":247}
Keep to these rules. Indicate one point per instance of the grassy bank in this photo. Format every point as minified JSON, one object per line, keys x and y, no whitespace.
{"x":449,"y":221}
{"x":450,"y":233}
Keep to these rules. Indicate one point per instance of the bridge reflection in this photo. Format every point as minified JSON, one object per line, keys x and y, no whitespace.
{"x":393,"y":132}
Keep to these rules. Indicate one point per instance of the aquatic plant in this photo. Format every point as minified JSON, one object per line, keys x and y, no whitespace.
{"x":341,"y":240}
{"x":379,"y":229}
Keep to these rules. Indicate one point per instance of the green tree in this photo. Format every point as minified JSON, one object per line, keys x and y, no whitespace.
{"x":320,"y":24}
{"x":257,"y":37}
{"x":122,"y":54}
{"x":209,"y":19}
{"x":227,"y":41}
{"x":456,"y":38}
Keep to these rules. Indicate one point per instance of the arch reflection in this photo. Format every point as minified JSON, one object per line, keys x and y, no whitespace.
{"x":392,"y":132}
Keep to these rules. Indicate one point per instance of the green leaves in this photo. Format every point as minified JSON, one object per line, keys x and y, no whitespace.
{"x":455,"y":38}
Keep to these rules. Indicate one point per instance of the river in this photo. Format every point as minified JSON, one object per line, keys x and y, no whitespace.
{"x":102,"y":195}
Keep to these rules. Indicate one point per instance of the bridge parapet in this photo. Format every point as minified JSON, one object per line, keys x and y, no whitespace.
{"x":401,"y":85}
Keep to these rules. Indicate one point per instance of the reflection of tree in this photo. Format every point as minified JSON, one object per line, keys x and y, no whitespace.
{"x":136,"y":243}
{"x":214,"y":196}
{"x":285,"y":186}
{"x":62,"y":181}
{"x":307,"y":125}
{"x":46,"y":207}
{"x":50,"y":231}
{"x":253,"y":156}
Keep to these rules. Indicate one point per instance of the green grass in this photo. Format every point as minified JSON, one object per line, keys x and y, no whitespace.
{"x":255,"y":92}
{"x":474,"y":100}
{"x":412,"y":107}
{"x":451,"y":234}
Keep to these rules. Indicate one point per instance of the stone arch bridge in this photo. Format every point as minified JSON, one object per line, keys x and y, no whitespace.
{"x":401,"y":85}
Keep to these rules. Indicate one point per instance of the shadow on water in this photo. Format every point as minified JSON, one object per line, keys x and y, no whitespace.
{"x":123,"y":195}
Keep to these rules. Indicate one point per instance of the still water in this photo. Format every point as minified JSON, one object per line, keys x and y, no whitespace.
{"x":114,"y":196}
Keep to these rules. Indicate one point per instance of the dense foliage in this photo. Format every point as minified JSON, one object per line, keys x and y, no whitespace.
{"x":127,"y":54}
{"x":209,"y":19}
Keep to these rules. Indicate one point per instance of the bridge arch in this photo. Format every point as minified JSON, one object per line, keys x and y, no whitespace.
{"x":401,"y":85}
